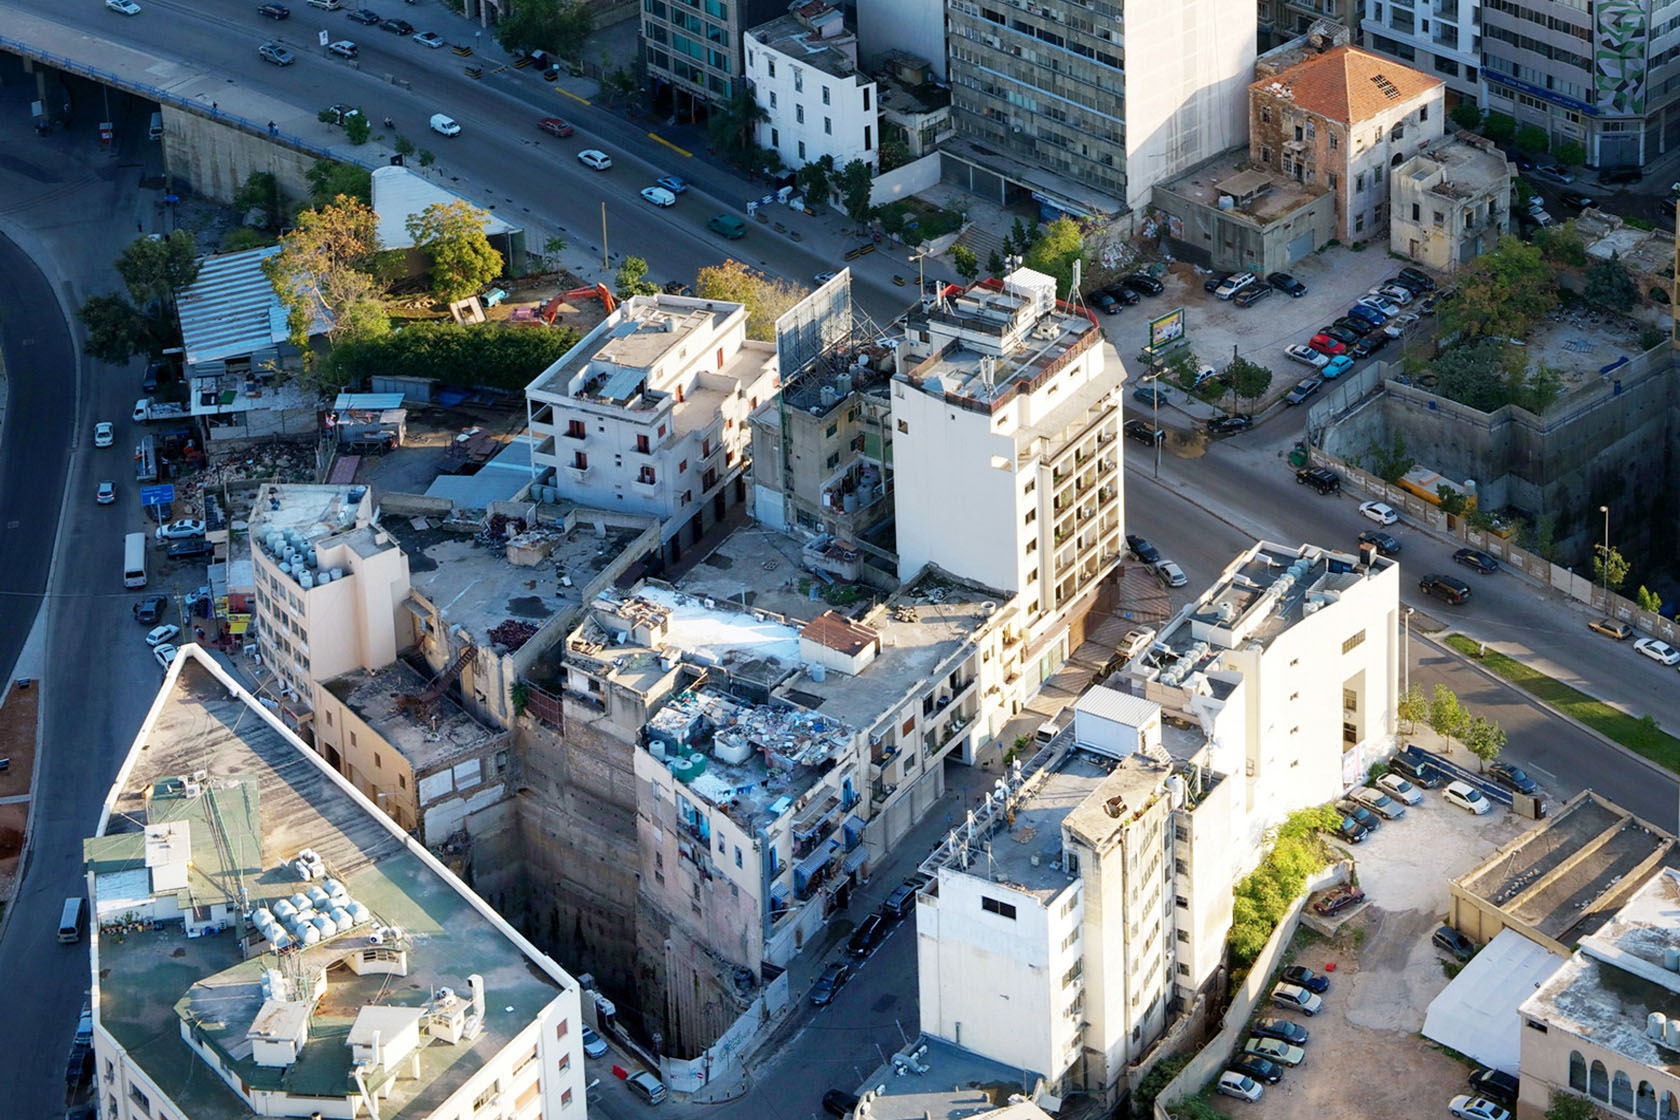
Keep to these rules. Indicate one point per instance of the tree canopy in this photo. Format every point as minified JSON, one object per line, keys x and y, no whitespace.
{"x":452,"y":235}
{"x":498,"y":355}
{"x":767,"y":299}
{"x":328,"y":179}
{"x":632,"y":279}
{"x":557,"y":26}
{"x":853,"y":184}
{"x":1249,"y":380}
{"x":326,"y":263}
{"x":141,"y":320}
{"x":1610,"y":285}
{"x":1054,"y":252}
{"x":1501,"y":293}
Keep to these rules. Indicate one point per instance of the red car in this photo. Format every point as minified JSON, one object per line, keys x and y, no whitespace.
{"x":1324,"y":344}
{"x":554,"y":126}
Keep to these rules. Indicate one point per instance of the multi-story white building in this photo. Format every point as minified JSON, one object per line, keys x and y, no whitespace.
{"x":1451,"y":202}
{"x":647,"y":414}
{"x":1442,"y":38}
{"x":1093,"y":894}
{"x":1006,"y":452}
{"x":802,"y":69}
{"x":264,"y":942}
{"x":329,"y":584}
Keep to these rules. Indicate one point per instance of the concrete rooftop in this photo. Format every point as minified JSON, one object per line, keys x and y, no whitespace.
{"x":1202,"y":184}
{"x":427,"y":744}
{"x":312,"y":511}
{"x":946,"y":1082}
{"x":275,"y":793}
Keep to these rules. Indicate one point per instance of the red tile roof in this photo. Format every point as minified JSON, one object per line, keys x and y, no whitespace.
{"x":1348,"y":85}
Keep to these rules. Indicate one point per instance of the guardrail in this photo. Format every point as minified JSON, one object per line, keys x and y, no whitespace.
{"x":1492,"y":790}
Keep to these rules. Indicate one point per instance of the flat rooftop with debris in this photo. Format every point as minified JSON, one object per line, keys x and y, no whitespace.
{"x":447,"y":732}
{"x":931,"y":1079}
{"x":215,"y":804}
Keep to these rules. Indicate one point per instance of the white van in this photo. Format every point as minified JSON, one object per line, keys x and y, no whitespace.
{"x":70,"y":921}
{"x":134,"y":560}
{"x":324,"y":5}
{"x":155,"y":132}
{"x":445,"y":126}
{"x":659,"y":196}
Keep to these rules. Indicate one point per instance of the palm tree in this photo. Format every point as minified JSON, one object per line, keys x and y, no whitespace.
{"x":732,"y":125}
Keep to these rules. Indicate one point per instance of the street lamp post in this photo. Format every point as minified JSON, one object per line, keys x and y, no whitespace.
{"x":1604,"y":558}
{"x":1406,"y":656}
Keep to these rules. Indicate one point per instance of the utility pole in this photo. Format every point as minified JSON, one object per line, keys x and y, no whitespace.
{"x":1604,"y":558}
{"x":606,"y":264}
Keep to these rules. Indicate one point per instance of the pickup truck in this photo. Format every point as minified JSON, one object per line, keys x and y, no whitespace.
{"x":147,"y":411}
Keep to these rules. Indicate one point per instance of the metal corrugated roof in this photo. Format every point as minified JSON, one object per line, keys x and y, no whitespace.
{"x":1121,"y":707}
{"x":231,"y":310}
{"x":371,"y":402}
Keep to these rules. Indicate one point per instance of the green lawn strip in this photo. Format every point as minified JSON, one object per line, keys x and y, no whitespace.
{"x":1640,"y":735}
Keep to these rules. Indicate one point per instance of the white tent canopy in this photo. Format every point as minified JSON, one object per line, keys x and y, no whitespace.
{"x":1477,"y":1013}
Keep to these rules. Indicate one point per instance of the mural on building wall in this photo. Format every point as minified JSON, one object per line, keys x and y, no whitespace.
{"x":1619,"y":57}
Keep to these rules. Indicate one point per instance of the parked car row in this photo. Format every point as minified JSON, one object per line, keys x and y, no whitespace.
{"x":1275,"y":1045}
{"x":869,"y":933}
{"x":1165,"y":570}
{"x":1128,"y":290}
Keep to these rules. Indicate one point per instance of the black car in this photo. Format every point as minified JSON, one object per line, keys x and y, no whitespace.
{"x":1423,"y":776}
{"x":1142,"y":549}
{"x":866,"y":935}
{"x":828,"y":985}
{"x":1261,"y":1069}
{"x":1575,"y":200}
{"x":1251,"y":295}
{"x":1620,"y":175}
{"x":189,"y":547}
{"x":901,"y":901}
{"x":1282,"y":1029}
{"x":1362,"y":816}
{"x":1352,"y":831}
{"x":1322,"y":479}
{"x":150,"y":609}
{"x":1304,"y":977}
{"x":274,"y":11}
{"x":397,"y":26}
{"x":364,"y":15}
{"x":1144,"y":432}
{"x":1304,"y":388}
{"x":1212,"y":283}
{"x":1449,"y":940}
{"x":1409,"y":275}
{"x":1122,"y":294}
{"x":1523,"y":163}
{"x":1103,"y":302}
{"x":1368,"y":345}
{"x":1358,"y":327}
{"x":1446,"y":588}
{"x":1342,"y":898}
{"x":1495,"y":1084}
{"x":839,"y":1103}
{"x":1342,"y":334}
{"x":1513,"y":777}
{"x":1477,"y":559}
{"x":1287,"y":284}
{"x":1142,"y":284}
{"x":1230,"y":425}
{"x":1386,"y":544}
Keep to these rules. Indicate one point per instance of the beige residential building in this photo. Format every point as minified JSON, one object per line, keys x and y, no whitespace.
{"x":1343,"y":118}
{"x":1452,"y":202}
{"x":264,"y":942}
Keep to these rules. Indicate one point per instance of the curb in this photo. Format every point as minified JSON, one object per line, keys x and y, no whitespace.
{"x":1528,"y":696}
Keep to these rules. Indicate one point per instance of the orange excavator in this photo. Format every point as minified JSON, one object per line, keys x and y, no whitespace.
{"x":551,"y":310}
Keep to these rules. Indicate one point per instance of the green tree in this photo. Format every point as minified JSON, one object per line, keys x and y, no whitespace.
{"x":1391,"y":464}
{"x":241,"y":238}
{"x":1610,"y":285}
{"x":117,"y":330}
{"x":1021,"y":236}
{"x":153,"y":269}
{"x":326,"y":264}
{"x":1648,"y":600}
{"x":1567,"y":1106}
{"x":1413,"y":708}
{"x":1447,"y":716}
{"x":552,"y":248}
{"x":1501,"y":293}
{"x":1499,"y":127}
{"x":1467,"y":115}
{"x":616,"y":81}
{"x":404,"y":146}
{"x":1248,"y":379}
{"x":813,"y":181}
{"x":328,"y":179}
{"x":1570,"y":154}
{"x":1531,"y":138}
{"x":141,"y":320}
{"x":964,"y":260}
{"x":894,"y":154}
{"x":1452,"y":501}
{"x":1609,"y":568}
{"x":500,"y":355}
{"x":1561,"y":244}
{"x":1541,"y":537}
{"x":1054,"y":252}
{"x":1484,"y":738}
{"x":545,"y":25}
{"x":994,"y":264}
{"x":766,"y":298}
{"x":260,"y":192}
{"x":733,"y":125}
{"x":854,"y":183}
{"x":357,"y":129}
{"x":1536,"y":390}
{"x":632,"y":279}
{"x":1160,"y":1075}
{"x":452,"y":235}
{"x":425,"y":157}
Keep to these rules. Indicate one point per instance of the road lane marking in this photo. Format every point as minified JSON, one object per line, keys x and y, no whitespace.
{"x":573,"y":96}
{"x":661,"y":140}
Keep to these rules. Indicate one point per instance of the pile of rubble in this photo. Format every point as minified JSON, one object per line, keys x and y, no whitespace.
{"x":512,"y":634}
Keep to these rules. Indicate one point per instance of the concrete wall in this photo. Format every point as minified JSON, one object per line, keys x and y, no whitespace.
{"x":218,"y":154}
{"x":1608,"y":442}
{"x":901,"y":182}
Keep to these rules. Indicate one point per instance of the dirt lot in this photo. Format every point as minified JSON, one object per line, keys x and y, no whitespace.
{"x":1365,"y":1045}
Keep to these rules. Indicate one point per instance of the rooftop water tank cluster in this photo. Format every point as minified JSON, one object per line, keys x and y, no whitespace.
{"x":310,"y":916}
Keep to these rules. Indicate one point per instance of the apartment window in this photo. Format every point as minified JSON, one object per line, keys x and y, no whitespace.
{"x":825,"y":95}
{"x":580,"y":461}
{"x":352,"y":734}
{"x":866,"y":109}
{"x":402,"y":781}
{"x":1001,"y":909}
{"x":775,"y":137}
{"x":1359,"y":223}
{"x":1032,"y":576}
{"x":799,"y":81}
{"x":642,"y":443}
{"x":565,"y":1062}
{"x":1265,"y":114}
{"x":140,"y":1100}
{"x":772,"y":99}
{"x":799,"y":113}
{"x":1423,"y":113}
{"x":828,"y":127}
{"x":1333,"y":142}
{"x":834,"y":460}
{"x":1266,"y":155}
{"x":566,"y":1098}
{"x":1182,"y":901}
{"x":329,"y":719}
{"x":575,"y":429}
{"x":868,"y":142}
{"x":562,"y":1028}
{"x":1183,"y":969}
{"x":1353,"y":643}
{"x":770,"y":65}
{"x":1032,"y":515}
{"x":1417,"y":212}
{"x":903,"y":428}
{"x":1332,"y":180}
{"x":1184,"y":936}
{"x":802,"y":143}
{"x":647,"y":476}
{"x":1068,"y":941}
{"x":485,"y":1098}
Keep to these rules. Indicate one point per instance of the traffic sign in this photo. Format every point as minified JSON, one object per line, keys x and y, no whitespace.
{"x":323,"y":38}
{"x":157,"y":495}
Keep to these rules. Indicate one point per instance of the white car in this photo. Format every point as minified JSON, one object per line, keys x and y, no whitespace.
{"x":1466,"y":796}
{"x":1379,"y":802}
{"x":106,"y":494}
{"x":123,"y":7}
{"x":1234,"y":284}
{"x":1379,"y":512}
{"x":163,"y":634}
{"x":659,"y":196}
{"x":164,"y":654}
{"x":445,"y":125}
{"x":1657,"y":651}
{"x":1306,"y":355}
{"x":1400,"y":789}
{"x":181,"y":530}
{"x":1466,"y":1107}
{"x":1296,"y":999}
{"x":104,"y":434}
{"x":1241,"y":1086}
{"x":429,"y":39}
{"x":1377,"y":300}
{"x":1399,"y":325}
{"x":594,"y":1045}
{"x":1170,"y":574}
{"x":344,"y":48}
{"x":593,"y":157}
{"x":1135,"y":642}
{"x":1401,"y":295}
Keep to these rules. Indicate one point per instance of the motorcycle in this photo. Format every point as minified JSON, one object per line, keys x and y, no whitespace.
{"x":389,"y":123}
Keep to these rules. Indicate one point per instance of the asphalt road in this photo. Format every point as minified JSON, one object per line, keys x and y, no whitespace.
{"x":500,"y":159}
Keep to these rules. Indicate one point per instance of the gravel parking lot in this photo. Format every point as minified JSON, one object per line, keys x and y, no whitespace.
{"x":1366,"y":1056}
